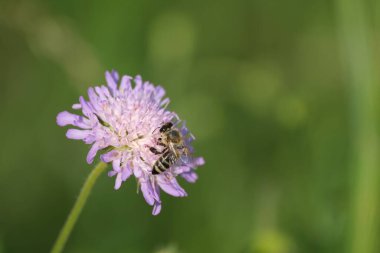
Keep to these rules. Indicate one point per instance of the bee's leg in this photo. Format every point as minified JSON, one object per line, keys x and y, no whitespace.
{"x":159,"y":142}
{"x":155,"y":151}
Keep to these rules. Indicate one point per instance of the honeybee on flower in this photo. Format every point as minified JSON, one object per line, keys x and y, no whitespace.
{"x":132,"y":128}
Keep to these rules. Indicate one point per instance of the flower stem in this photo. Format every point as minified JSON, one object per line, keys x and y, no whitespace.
{"x":78,"y":206}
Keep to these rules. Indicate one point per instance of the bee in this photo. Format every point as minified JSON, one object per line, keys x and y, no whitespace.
{"x":173,"y":148}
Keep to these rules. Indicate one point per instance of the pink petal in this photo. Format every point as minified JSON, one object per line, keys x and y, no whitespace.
{"x":147,"y":190}
{"x":77,"y":134}
{"x":65,"y":118}
{"x":137,"y":171}
{"x":112,"y":79}
{"x":86,"y":109}
{"x":118,"y":181}
{"x":126,"y":173}
{"x":92,"y":153}
{"x":94,"y":98}
{"x":190,"y":177}
{"x":171,"y":186}
{"x":156,"y":208}
{"x":76,"y":106}
{"x":116,"y":165}
{"x":138,"y":82}
{"x":110,"y":156}
{"x":125,"y":85}
{"x":112,"y":173}
{"x":199,"y":161}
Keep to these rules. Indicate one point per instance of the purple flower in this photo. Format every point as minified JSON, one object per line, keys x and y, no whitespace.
{"x":122,"y":123}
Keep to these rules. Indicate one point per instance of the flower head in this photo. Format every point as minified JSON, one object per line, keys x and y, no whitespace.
{"x":122,"y":122}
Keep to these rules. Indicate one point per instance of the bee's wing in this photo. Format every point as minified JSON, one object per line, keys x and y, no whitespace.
{"x":185,"y":155}
{"x":185,"y":158}
{"x":172,"y":158}
{"x":173,"y":150}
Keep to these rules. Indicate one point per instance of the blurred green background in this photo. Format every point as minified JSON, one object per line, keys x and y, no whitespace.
{"x":281,"y":95}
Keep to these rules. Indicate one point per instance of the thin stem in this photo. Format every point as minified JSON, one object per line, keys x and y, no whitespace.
{"x":78,"y":206}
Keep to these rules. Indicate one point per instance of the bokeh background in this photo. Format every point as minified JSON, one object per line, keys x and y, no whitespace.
{"x":281,"y":95}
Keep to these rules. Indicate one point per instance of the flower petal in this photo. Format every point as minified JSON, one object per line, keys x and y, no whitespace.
{"x":65,"y":118}
{"x":115,"y":75}
{"x":92,"y":153}
{"x":137,"y":171}
{"x":112,"y":78}
{"x":195,"y":162}
{"x":126,"y":173}
{"x":115,"y":168}
{"x":94,"y":98}
{"x":118,"y":181}
{"x":125,"y":85}
{"x":156,"y":192}
{"x":112,"y":173}
{"x":181,"y":169}
{"x":170,"y":186}
{"x":106,"y":91}
{"x":116,"y":165}
{"x":159,"y":93}
{"x":147,"y":191}
{"x":100,"y":93}
{"x":190,"y":176}
{"x":165,"y":102}
{"x":156,"y":208}
{"x":76,"y":106}
{"x":82,"y":122}
{"x":86,"y":109}
{"x":110,"y":156}
{"x":77,"y":134}
{"x":199,"y":161}
{"x":138,"y":82}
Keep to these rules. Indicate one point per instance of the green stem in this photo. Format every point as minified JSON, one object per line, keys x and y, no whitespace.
{"x":78,"y":206}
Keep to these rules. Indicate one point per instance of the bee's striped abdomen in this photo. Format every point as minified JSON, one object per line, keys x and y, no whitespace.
{"x":163,"y":163}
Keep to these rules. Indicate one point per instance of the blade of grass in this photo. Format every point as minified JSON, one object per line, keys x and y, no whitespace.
{"x":355,"y":37}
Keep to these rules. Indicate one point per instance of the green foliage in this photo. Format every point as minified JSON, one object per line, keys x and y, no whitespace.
{"x":282,"y":102}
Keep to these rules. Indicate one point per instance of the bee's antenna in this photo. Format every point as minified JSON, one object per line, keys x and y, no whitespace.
{"x":155,"y":130}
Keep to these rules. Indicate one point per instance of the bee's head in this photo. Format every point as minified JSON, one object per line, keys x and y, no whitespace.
{"x":166,"y":127}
